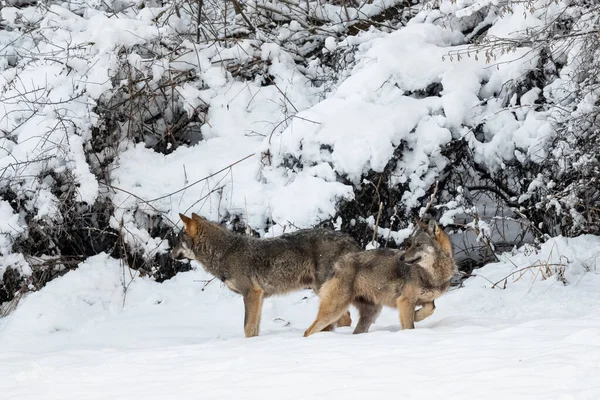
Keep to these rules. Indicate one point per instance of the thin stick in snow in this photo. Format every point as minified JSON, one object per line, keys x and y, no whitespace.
{"x":428,"y":206}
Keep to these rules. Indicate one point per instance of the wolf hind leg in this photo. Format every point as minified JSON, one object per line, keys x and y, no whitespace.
{"x":425,"y":311}
{"x":334,"y":300}
{"x":345,"y":319}
{"x":368,"y":313}
{"x":253,"y":300}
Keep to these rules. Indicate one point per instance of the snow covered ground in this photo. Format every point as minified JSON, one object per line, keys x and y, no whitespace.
{"x":527,"y":327}
{"x":530,"y":337}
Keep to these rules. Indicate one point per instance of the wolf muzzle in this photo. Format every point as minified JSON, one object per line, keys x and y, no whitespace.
{"x":413,"y":261}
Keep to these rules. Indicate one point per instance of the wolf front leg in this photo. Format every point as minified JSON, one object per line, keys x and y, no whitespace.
{"x":253,"y":300}
{"x":406,"y":306}
{"x":425,"y":311}
{"x":344,"y":320}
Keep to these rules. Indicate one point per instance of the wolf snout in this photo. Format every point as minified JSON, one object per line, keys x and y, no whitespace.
{"x":413,"y":261}
{"x":410,"y":261}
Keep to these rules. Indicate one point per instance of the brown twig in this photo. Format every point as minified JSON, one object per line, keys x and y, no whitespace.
{"x":428,"y":206}
{"x":201,"y":180}
{"x":147,"y":202}
{"x":282,"y":93}
{"x":239,"y":10}
{"x":206,"y":282}
{"x":286,"y":119}
{"x":380,"y":208}
{"x":377,"y":222}
{"x":199,"y":20}
{"x":527,"y":268}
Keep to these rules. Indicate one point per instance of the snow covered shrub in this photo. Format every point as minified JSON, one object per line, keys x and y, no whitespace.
{"x":55,"y":210}
{"x":571,"y":172}
{"x":269,"y":116}
{"x":510,"y":107}
{"x":550,"y":181}
{"x":82,"y":84}
{"x":144,"y":105}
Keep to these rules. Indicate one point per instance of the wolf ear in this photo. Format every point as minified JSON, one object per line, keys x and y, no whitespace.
{"x":196,"y":217}
{"x":189,"y":225}
{"x":433,"y":227}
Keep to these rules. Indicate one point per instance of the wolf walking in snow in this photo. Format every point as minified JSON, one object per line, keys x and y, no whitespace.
{"x":403,"y":280}
{"x":258,"y":268}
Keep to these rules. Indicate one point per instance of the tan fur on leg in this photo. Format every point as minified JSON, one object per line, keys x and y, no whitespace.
{"x":345,"y":320}
{"x":406,"y":306}
{"x":253,"y":306}
{"x":335,"y":299}
{"x":424,"y":311}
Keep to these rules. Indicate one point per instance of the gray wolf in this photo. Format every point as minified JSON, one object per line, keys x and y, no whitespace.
{"x":260,"y":267}
{"x":388,"y":277}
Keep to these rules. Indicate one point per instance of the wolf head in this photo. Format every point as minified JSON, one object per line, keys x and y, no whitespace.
{"x":184,"y":243}
{"x":427,"y":243}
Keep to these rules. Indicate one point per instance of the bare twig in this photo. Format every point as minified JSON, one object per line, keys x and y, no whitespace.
{"x":432,"y":198}
{"x":206,"y":282}
{"x":377,"y":222}
{"x":239,"y":10}
{"x":527,"y":268}
{"x":201,"y":179}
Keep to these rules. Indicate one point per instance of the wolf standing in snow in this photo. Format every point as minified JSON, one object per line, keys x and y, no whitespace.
{"x":258,"y":268}
{"x":404,"y":280}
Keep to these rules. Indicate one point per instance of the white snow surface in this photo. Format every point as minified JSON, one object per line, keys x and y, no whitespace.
{"x":531,"y":338}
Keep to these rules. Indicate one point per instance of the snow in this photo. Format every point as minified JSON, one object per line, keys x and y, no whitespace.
{"x":294,"y":132}
{"x":81,"y":338}
{"x":290,"y":203}
{"x":330,"y":43}
{"x":280,"y":151}
{"x":10,"y":227}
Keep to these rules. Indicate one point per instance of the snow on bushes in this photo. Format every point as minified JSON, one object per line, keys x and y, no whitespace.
{"x":118,"y":116}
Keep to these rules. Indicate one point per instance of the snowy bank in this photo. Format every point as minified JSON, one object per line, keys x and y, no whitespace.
{"x":80,"y":338}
